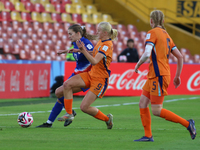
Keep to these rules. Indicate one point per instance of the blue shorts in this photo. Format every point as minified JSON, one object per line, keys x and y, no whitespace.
{"x":83,"y":89}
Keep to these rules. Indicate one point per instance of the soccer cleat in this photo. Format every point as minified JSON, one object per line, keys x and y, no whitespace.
{"x":44,"y":125}
{"x":145,"y":139}
{"x":191,"y":128}
{"x":109,"y":123}
{"x":68,"y":118}
{"x":68,"y":122}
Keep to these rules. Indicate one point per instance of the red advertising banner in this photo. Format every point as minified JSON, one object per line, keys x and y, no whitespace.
{"x":125,"y":82}
{"x":24,"y":80}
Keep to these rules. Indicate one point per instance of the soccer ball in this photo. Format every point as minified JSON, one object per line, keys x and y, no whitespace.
{"x":25,"y":119}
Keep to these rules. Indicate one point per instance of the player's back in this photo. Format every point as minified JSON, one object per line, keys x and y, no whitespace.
{"x":162,"y":46}
{"x":102,"y":68}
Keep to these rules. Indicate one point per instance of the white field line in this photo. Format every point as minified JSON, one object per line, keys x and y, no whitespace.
{"x":113,"y":105}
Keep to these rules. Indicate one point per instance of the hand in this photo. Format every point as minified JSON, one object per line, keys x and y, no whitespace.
{"x":177,"y":82}
{"x":136,"y":68}
{"x":80,"y":45}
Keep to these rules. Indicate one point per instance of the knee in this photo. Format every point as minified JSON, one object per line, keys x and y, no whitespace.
{"x":58,"y":93}
{"x":83,"y":108}
{"x":67,"y":85}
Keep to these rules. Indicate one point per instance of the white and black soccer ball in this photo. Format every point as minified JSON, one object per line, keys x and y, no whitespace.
{"x":25,"y":119}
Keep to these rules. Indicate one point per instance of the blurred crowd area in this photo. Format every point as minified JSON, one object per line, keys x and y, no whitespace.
{"x":37,"y":29}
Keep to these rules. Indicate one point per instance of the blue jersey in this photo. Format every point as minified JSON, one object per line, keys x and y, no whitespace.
{"x":82,"y":64}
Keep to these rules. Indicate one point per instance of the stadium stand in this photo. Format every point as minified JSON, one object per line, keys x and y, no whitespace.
{"x":36,"y":29}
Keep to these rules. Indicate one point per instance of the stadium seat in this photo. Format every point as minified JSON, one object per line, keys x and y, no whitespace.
{"x":30,"y":32}
{"x":32,"y":55}
{"x":64,"y":2}
{"x":40,"y":32}
{"x":2,"y":8}
{"x":89,"y":26}
{"x":53,"y":55}
{"x":50,"y":33}
{"x":197,"y":58}
{"x":97,"y":17}
{"x":29,"y":6}
{"x":64,"y":39}
{"x":43,"y":54}
{"x":80,"y":9}
{"x":54,"y":2}
{"x":67,"y":25}
{"x":10,"y":57}
{"x":49,"y":8}
{"x":47,"y":49}
{"x":121,"y":27}
{"x":108,"y":18}
{"x":15,"y":25}
{"x":46,"y":17}
{"x":37,"y":48}
{"x":39,"y":8}
{"x":37,"y":25}
{"x":5,"y":25}
{"x":58,"y":25}
{"x":44,"y":38}
{"x":1,"y":42}
{"x":35,"y":1}
{"x":54,"y":38}
{"x":14,"y":36}
{"x":131,"y":28}
{"x":91,"y":9}
{"x":14,"y":1}
{"x":9,"y":32}
{"x":47,"y":26}
{"x":16,"y":16}
{"x":66,"y":18}
{"x":5,"y":16}
{"x":40,"y":43}
{"x":16,"y":49}
{"x":2,"y":57}
{"x":59,"y":8}
{"x":24,"y":37}
{"x":26,"y":25}
{"x":5,"y":36}
{"x":23,"y":55}
{"x":36,"y":16}
{"x":27,"y":48}
{"x":25,"y":1}
{"x":9,"y":6}
{"x":7,"y":48}
{"x":26,"y":17}
{"x":20,"y":7}
{"x":114,"y":57}
{"x":44,"y":2}
{"x":87,"y":18}
{"x":77,"y":18}
{"x":56,"y":17}
{"x":61,"y":33}
{"x":20,"y":42}
{"x":69,"y":8}
{"x":77,"y":2}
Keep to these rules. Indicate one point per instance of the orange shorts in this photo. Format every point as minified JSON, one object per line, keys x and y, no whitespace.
{"x":98,"y":86}
{"x":156,"y":88}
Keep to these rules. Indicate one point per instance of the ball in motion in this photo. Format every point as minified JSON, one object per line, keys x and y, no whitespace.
{"x":25,"y":119}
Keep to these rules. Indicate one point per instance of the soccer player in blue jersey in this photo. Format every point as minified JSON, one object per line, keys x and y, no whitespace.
{"x":75,"y":32}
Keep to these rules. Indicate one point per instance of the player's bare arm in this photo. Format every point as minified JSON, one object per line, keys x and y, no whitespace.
{"x":144,"y":57}
{"x":178,"y":55}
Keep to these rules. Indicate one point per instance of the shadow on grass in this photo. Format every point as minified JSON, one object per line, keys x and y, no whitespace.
{"x":28,"y":101}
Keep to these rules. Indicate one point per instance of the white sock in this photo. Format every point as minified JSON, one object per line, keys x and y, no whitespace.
{"x":49,"y":122}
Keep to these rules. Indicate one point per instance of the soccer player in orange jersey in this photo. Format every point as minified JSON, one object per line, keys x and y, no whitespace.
{"x":96,"y":79}
{"x":158,"y":47}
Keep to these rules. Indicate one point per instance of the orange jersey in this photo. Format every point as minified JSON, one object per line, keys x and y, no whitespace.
{"x":162,"y":46}
{"x":101,"y":70}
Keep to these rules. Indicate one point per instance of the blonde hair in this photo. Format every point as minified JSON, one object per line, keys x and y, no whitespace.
{"x":158,"y":18}
{"x":106,"y":26}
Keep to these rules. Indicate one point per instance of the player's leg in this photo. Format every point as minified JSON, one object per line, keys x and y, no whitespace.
{"x":158,"y":110}
{"x":68,"y":86}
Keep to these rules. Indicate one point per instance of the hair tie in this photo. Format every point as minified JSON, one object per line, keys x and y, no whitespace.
{"x":83,"y":27}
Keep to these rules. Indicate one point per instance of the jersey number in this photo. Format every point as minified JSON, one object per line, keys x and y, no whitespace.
{"x":99,"y":86}
{"x":168,"y":40}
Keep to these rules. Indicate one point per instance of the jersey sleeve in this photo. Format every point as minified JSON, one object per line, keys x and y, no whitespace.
{"x":151,"y":38}
{"x":88,"y":45}
{"x":173,"y":46}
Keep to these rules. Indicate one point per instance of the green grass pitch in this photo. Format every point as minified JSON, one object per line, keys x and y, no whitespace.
{"x":88,"y":133}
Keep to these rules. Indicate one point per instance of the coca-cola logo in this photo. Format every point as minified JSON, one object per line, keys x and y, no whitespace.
{"x":128,"y":80}
{"x":14,"y":80}
{"x":193,"y":83}
{"x":43,"y":80}
{"x":2,"y":81}
{"x":28,"y":80}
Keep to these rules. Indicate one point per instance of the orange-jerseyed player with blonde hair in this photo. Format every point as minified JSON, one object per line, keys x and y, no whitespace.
{"x":97,"y":79}
{"x":158,"y":47}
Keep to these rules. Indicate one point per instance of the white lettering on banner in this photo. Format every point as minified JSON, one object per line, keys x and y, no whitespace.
{"x":42,"y":80}
{"x":14,"y":81}
{"x":28,"y":81}
{"x":126,"y":80}
{"x":2,"y":81}
{"x":194,"y":81}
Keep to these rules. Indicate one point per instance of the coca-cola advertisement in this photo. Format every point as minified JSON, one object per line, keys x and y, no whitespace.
{"x":124,"y":81}
{"x":24,"y":80}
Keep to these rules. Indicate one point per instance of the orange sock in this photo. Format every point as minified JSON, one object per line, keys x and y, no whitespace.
{"x":146,"y":121}
{"x":101,"y":116}
{"x":68,"y":105}
{"x":170,"y":116}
